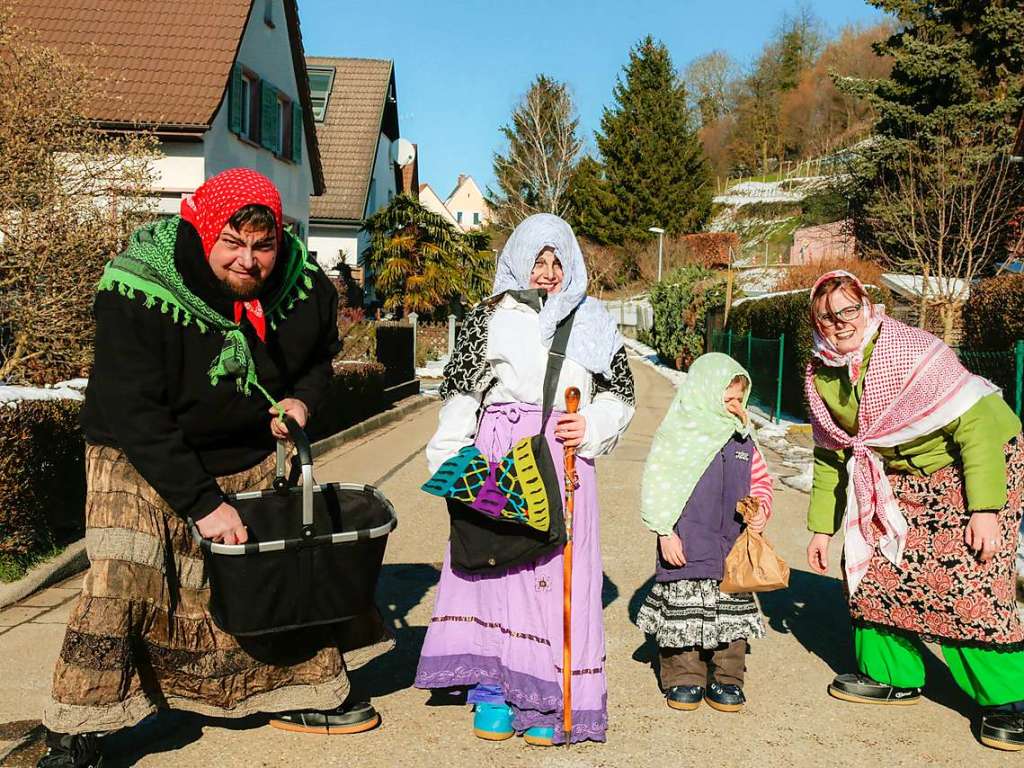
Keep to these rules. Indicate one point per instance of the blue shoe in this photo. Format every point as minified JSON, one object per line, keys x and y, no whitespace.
{"x":685,"y":697}
{"x":493,"y":722}
{"x":725,"y":698}
{"x":539,"y":737}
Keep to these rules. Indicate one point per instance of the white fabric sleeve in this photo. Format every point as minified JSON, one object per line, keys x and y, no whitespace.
{"x":456,"y":428}
{"x":607,"y":418}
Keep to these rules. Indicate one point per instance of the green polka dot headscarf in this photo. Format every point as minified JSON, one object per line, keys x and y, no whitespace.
{"x":693,"y":431}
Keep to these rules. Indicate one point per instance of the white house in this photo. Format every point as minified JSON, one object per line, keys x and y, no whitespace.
{"x":467,"y":204}
{"x":433,"y":203}
{"x":356,"y":110}
{"x":222,"y":84}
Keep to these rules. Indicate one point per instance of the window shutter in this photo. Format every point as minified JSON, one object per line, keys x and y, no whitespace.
{"x":296,"y":133}
{"x":268,"y":116}
{"x":235,"y":85}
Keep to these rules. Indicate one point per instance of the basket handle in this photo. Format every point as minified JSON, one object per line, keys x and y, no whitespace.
{"x":298,"y":436}
{"x":301,"y":442}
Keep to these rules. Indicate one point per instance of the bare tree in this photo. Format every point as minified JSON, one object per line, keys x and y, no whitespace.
{"x":948,"y":213}
{"x":535,"y":172}
{"x":69,"y":197}
{"x":710,"y":82}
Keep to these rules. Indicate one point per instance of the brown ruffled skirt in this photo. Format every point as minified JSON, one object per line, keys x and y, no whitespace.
{"x":141,"y":637}
{"x":941,"y":590}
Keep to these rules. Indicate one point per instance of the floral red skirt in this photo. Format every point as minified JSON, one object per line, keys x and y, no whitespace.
{"x":941,"y":590}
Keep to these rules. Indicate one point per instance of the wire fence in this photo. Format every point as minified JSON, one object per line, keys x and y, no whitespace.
{"x":1004,"y":369}
{"x":763,"y":359}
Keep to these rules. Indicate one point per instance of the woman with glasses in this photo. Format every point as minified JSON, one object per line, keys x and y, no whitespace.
{"x":922,"y":464}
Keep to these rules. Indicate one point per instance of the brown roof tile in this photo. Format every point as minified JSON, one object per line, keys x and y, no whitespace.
{"x":169,"y":60}
{"x":349,"y":134}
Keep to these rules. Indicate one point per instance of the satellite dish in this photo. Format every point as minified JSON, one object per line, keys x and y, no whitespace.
{"x":402,"y":152}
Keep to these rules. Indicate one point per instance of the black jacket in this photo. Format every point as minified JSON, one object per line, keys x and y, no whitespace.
{"x":149,"y":394}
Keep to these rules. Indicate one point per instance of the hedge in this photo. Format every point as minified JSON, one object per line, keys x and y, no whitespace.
{"x":993,"y":318}
{"x":42,"y":477}
{"x":681,"y":302}
{"x":356,"y":393}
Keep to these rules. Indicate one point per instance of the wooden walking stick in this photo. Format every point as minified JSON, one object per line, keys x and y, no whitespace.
{"x":572,"y":404}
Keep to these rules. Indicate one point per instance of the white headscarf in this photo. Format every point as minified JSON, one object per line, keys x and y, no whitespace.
{"x":595,"y":337}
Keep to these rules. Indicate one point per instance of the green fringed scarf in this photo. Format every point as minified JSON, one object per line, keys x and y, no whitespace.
{"x":147,"y":266}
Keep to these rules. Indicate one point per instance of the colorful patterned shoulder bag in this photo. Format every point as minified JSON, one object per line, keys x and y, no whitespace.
{"x":509,"y":512}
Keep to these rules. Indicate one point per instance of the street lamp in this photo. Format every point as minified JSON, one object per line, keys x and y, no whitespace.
{"x":661,"y":235}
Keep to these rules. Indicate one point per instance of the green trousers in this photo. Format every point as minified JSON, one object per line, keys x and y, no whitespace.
{"x":990,"y":677}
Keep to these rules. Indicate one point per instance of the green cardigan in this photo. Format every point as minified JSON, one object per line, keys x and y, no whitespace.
{"x":976,"y":439}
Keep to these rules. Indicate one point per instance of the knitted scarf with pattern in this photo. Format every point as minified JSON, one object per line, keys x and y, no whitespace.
{"x":147,"y":267}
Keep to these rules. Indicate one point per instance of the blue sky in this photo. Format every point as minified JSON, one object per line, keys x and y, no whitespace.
{"x":461,"y":65}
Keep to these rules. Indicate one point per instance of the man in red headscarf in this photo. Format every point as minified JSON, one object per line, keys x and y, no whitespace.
{"x":204,"y":321}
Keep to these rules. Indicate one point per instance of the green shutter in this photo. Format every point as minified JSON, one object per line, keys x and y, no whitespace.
{"x":268,"y":116}
{"x":296,"y":133}
{"x":235,"y":86}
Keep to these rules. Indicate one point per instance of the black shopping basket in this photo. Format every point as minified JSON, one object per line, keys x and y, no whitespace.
{"x":313,"y":555}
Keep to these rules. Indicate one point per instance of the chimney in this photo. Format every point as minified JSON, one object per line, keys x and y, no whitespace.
{"x":462,"y":178}
{"x":410,"y":176}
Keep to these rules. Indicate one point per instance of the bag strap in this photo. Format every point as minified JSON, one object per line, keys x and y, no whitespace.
{"x":556,"y":356}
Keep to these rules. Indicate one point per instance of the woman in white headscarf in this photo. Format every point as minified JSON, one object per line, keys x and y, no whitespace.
{"x":501,"y":635}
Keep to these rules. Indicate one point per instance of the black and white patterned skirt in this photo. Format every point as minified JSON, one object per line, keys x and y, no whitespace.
{"x":695,"y":613}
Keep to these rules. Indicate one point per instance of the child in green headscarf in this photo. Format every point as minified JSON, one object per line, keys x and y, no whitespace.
{"x":703,"y":462}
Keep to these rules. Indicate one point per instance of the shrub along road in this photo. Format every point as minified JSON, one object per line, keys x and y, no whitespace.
{"x":788,"y":721}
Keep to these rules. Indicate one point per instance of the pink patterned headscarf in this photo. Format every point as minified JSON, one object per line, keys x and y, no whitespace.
{"x":826,"y":351}
{"x":914,"y":385}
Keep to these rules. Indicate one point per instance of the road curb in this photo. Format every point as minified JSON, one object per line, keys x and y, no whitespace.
{"x":412,"y":405}
{"x":65,"y":565}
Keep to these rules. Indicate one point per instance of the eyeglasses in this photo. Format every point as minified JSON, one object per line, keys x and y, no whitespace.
{"x":846,"y":314}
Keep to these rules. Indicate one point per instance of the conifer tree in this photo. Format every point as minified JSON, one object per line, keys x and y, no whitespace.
{"x":592,"y":203}
{"x":958,"y":71}
{"x":653,"y":160}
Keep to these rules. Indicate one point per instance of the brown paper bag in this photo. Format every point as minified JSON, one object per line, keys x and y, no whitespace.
{"x":752,"y":565}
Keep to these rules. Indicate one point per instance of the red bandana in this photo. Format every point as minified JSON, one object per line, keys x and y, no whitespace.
{"x":216,"y":201}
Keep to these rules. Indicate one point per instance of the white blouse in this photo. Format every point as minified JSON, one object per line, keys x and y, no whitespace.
{"x":517,"y":357}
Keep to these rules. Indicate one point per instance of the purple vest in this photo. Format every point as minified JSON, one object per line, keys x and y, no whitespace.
{"x":709,"y":523}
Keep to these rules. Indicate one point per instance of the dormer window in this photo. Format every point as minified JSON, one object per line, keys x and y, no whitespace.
{"x":320,"y":81}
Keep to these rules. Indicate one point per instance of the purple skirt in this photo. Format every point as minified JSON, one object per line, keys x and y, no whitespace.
{"x":507,"y":629}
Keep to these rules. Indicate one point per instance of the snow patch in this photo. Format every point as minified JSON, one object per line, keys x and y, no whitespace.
{"x":11,"y":394}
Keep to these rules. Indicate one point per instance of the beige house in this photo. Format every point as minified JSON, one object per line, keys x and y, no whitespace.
{"x":356,"y":112}
{"x":433,"y":203}
{"x":467,"y":204}
{"x":243,"y":102}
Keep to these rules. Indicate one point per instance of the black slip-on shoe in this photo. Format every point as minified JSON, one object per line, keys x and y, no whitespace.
{"x":1003,"y":730}
{"x":64,"y":750}
{"x":861,"y":689}
{"x":725,"y":698}
{"x":686,"y":697}
{"x":348,"y":718}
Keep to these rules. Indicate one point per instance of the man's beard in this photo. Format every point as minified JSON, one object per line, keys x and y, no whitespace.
{"x":245,"y":290}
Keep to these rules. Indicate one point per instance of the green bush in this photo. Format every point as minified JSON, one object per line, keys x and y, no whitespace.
{"x":681,"y":302}
{"x":824,"y":207}
{"x":993,"y":317}
{"x":42,"y":480}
